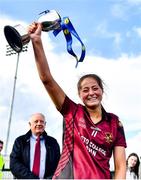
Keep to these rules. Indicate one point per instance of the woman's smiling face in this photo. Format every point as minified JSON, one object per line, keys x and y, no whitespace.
{"x":90,"y":92}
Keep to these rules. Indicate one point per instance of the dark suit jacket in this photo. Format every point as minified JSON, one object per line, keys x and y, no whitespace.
{"x":20,"y":157}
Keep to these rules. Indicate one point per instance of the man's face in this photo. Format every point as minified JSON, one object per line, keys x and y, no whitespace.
{"x":37,"y":124}
{"x":1,"y":147}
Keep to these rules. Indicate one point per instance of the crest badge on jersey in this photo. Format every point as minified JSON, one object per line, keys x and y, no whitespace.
{"x":109,"y":137}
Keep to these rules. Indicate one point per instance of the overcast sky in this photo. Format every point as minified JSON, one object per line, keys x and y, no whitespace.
{"x":111,"y":32}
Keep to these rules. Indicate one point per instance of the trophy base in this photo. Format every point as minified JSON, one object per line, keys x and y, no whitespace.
{"x":16,"y":36}
{"x":13,"y":38}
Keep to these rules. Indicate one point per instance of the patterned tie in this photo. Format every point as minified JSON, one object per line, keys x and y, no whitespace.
{"x":36,"y":163}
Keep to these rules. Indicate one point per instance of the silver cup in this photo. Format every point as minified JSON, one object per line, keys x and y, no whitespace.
{"x":17,"y":36}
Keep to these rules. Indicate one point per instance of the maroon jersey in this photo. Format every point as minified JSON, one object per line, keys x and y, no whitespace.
{"x":87,"y":147}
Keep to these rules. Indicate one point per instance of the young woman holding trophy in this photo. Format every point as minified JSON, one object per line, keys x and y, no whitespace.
{"x":91,"y":134}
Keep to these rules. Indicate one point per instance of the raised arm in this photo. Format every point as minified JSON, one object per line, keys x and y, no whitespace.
{"x":54,"y":90}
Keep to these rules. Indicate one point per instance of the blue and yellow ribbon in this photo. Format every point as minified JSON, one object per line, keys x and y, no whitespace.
{"x":68,"y":31}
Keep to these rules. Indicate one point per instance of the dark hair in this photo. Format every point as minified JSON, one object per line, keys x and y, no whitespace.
{"x":94,"y":76}
{"x":1,"y":142}
{"x":134,"y":169}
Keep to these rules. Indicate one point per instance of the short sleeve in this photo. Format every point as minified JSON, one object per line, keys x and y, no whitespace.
{"x":120,"y":139}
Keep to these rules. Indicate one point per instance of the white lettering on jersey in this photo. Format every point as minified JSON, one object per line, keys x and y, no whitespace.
{"x":91,"y":147}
